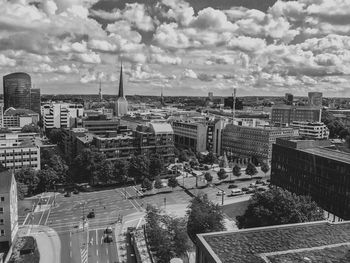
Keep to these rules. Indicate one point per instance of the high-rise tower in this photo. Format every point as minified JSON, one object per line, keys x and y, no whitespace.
{"x":162,"y":98}
{"x":100,"y":96}
{"x":17,"y":90}
{"x":121,"y":105}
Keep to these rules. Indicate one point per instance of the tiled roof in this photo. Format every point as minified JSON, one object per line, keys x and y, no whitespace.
{"x":252,"y":245}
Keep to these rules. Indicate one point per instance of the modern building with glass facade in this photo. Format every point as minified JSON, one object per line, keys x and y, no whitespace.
{"x":313,"y":167}
{"x":286,"y":114}
{"x":17,"y":90}
{"x":35,"y":100}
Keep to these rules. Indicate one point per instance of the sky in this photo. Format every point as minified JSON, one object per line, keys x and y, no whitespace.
{"x":188,"y":48}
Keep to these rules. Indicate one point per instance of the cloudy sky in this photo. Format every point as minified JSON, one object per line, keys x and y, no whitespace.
{"x":187,"y":47}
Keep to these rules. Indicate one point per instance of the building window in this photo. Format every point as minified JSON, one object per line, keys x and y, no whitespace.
{"x":2,"y":232}
{"x":2,"y":199}
{"x":1,"y":222}
{"x":1,"y":210}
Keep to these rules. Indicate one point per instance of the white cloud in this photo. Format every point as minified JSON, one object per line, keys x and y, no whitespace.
{"x":90,"y":58}
{"x":247,"y":44}
{"x":210,"y":18}
{"x":189,"y":73}
{"x":6,"y":62}
{"x":179,"y":10}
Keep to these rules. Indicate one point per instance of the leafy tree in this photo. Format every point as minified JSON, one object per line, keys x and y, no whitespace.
{"x":211,"y":158}
{"x":30,"y":128}
{"x":183,"y":156}
{"x":251,"y":169}
{"x":194,"y":162}
{"x":277,"y":206}
{"x":120,"y":171}
{"x":47,"y":179}
{"x":265,"y":168}
{"x":166,"y":234}
{"x":203,"y":216}
{"x":28,"y":177}
{"x":104,"y":172}
{"x":51,"y":160}
{"x":21,"y":191}
{"x":139,"y":167}
{"x":155,"y":166}
{"x":158,"y":183}
{"x":147,"y":184}
{"x":208,"y":177}
{"x":55,"y":136}
{"x":5,"y":130}
{"x":172,"y":182}
{"x":222,"y":174}
{"x":236,"y":171}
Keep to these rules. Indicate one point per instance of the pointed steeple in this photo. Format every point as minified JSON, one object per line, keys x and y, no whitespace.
{"x":100,"y":92}
{"x":121,"y":91}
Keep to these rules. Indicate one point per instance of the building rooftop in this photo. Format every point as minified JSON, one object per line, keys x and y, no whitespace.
{"x":21,"y":112}
{"x":158,"y":128}
{"x":285,"y":243}
{"x":330,"y":154}
{"x":5,"y":181}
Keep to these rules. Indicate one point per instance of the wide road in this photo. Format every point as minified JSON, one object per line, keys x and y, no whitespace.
{"x":99,"y":251}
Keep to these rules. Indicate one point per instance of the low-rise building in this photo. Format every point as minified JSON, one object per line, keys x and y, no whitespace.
{"x":246,"y":142}
{"x":312,"y":130}
{"x":17,"y":118}
{"x":18,"y":151}
{"x":312,"y":167}
{"x":99,"y":125}
{"x":8,"y":208}
{"x":305,"y":242}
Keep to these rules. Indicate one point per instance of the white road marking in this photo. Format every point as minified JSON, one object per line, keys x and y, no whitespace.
{"x":97,"y":251}
{"x":96,"y":237}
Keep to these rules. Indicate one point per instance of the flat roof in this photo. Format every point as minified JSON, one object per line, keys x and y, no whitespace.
{"x":5,"y":181}
{"x":328,"y":153}
{"x":257,"y":244}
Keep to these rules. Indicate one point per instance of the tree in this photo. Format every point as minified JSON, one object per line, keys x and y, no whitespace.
{"x":30,"y":128}
{"x":251,"y":169}
{"x":28,"y":177}
{"x":172,"y":182}
{"x":155,"y":166}
{"x":211,"y":158}
{"x":55,"y":136}
{"x":203,"y":216}
{"x":277,"y":206}
{"x":183,"y":156}
{"x":139,"y":167}
{"x":265,"y":168}
{"x":236,"y":171}
{"x":147,"y":184}
{"x":5,"y":130}
{"x":222,"y":174}
{"x":21,"y":191}
{"x":223,"y":162}
{"x":208,"y":177}
{"x":47,"y":179}
{"x":158,"y":183}
{"x":120,"y":171}
{"x":104,"y":172}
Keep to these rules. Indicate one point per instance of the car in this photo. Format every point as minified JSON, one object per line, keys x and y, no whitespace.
{"x":236,"y":191}
{"x":245,"y":189}
{"x":68,"y":194}
{"x":220,"y":193}
{"x":75,"y":191}
{"x":265,"y":183}
{"x":108,"y":230}
{"x":252,"y":185}
{"x":259,"y":182}
{"x":91,"y":214}
{"x":250,"y":191}
{"x":232,"y":186}
{"x":108,"y":239}
{"x":261,"y":189}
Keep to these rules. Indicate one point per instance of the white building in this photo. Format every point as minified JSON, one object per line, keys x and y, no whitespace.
{"x":314,"y":130}
{"x":61,"y":115}
{"x":17,"y":118}
{"x":8,"y":207}
{"x":18,"y":151}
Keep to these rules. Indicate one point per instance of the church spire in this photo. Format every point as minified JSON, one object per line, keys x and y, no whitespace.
{"x":100,"y":92}
{"x":121,"y":91}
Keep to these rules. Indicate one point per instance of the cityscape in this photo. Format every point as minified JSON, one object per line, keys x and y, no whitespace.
{"x":174,"y":131}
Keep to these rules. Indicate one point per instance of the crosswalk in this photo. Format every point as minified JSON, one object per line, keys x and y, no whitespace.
{"x":84,"y":255}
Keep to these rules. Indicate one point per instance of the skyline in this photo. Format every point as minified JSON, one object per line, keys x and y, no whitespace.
{"x":188,"y":48}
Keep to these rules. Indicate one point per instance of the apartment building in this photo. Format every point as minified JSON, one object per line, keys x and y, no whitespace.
{"x":313,"y":167}
{"x":312,"y":130}
{"x":8,"y":208}
{"x":61,"y":115}
{"x":17,"y":118}
{"x":246,"y":142}
{"x":190,"y":135}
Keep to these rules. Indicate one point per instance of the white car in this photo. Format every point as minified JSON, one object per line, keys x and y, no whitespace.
{"x":236,"y":191}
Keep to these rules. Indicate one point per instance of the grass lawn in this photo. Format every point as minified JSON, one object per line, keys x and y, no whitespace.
{"x":235,"y":209}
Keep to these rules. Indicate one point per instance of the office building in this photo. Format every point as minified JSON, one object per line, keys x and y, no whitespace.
{"x":17,"y":118}
{"x":121,"y":105}
{"x":305,"y":242}
{"x":17,"y":151}
{"x":100,"y":124}
{"x":285,"y":114}
{"x":312,"y":130}
{"x":315,"y":99}
{"x":35,"y":100}
{"x":8,"y":208}
{"x":244,"y":142}
{"x":312,"y":167}
{"x":61,"y":115}
{"x":17,"y":90}
{"x":288,"y":98}
{"x":190,"y":135}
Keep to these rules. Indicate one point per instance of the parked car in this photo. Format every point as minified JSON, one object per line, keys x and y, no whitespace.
{"x":68,"y":194}
{"x":259,"y":182}
{"x":261,"y":189}
{"x":91,"y":214}
{"x":232,"y":186}
{"x":250,"y":191}
{"x":245,"y":189}
{"x":75,"y":191}
{"x":108,"y":230}
{"x":108,"y":239}
{"x":236,"y":191}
